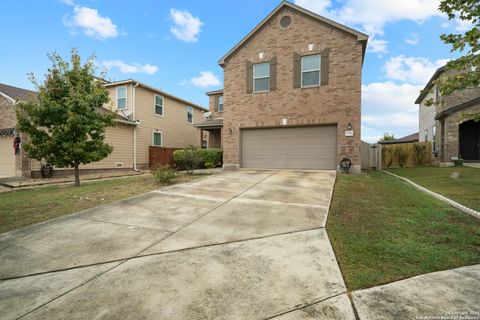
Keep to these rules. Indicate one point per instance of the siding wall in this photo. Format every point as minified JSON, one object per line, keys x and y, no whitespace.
{"x":176,"y":132}
{"x":120,"y":138}
{"x":427,"y":118}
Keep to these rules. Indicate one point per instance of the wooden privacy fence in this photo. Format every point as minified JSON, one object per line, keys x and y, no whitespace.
{"x":380,"y":156}
{"x":406,"y":154}
{"x":371,"y":155}
{"x":160,"y":156}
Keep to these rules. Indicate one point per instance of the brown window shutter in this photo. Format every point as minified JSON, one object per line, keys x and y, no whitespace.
{"x":249,"y":77}
{"x":297,"y":70}
{"x":215,"y":103}
{"x":325,"y":66}
{"x":273,"y":74}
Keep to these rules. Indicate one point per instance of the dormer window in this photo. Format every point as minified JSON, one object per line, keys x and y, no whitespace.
{"x":220,"y":104}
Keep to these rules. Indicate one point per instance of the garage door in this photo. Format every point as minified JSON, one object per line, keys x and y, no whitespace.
{"x":7,"y":157}
{"x":290,"y":148}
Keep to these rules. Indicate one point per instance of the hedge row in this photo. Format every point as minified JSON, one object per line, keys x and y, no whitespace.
{"x":203,"y":158}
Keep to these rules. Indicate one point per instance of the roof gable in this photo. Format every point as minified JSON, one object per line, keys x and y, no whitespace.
{"x":361,"y":37}
{"x":17,"y":94}
{"x":155,"y":90}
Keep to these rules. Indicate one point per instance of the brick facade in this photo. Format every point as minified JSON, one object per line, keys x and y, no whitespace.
{"x":337,"y":103}
{"x":448,"y":132}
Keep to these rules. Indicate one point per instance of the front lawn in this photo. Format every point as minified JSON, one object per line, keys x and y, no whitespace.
{"x":25,"y":207}
{"x":383,"y":230}
{"x":465,"y":189}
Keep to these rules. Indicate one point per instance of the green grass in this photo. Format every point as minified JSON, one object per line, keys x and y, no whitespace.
{"x":25,"y":207}
{"x":383,"y":230}
{"x":465,"y":189}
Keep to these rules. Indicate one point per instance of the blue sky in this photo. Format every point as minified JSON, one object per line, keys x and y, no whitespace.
{"x":175,"y":45}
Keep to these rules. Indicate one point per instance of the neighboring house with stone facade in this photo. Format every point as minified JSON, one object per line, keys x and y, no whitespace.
{"x":453,"y":133}
{"x":292,"y":94}
{"x":12,"y":164}
{"x":144,"y":117}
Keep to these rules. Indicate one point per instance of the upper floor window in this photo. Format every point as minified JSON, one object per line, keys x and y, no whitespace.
{"x":121,"y":97}
{"x":311,"y":70}
{"x":158,"y":105}
{"x":220,"y":104}
{"x":157,"y":139}
{"x":434,"y":134}
{"x":261,"y":77}
{"x":190,"y":114}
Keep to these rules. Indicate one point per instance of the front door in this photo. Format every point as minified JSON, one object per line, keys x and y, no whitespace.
{"x":469,"y":133}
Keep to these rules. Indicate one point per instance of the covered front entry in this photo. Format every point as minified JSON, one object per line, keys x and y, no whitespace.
{"x":7,"y":156}
{"x":289,"y":147}
{"x":469,"y":134}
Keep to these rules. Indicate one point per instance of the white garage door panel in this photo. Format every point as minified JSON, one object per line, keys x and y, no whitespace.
{"x":7,"y":157}
{"x":291,"y":148}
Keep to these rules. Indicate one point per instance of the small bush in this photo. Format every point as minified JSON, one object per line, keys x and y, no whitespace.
{"x":211,"y":157}
{"x":387,"y":156}
{"x":188,"y":159}
{"x":419,"y":151}
{"x":164,"y":174}
{"x":401,"y":155}
{"x":192,"y":158}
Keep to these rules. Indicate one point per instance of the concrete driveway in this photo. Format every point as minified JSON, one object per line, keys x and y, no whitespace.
{"x":238,"y":245}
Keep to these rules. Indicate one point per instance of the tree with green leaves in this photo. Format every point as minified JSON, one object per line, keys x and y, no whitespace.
{"x":387,"y":137}
{"x":465,"y":71}
{"x":64,"y":124}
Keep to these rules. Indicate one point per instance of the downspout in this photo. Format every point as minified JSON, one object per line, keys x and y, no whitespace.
{"x":134,"y":130}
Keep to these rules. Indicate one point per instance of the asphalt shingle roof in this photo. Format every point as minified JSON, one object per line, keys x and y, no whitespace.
{"x":16,"y":93}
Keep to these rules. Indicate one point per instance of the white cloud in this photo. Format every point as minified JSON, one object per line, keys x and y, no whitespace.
{"x":462,"y":25}
{"x":412,"y":69}
{"x":413,"y":39}
{"x":186,"y":27}
{"x":387,"y":97}
{"x":204,"y":80}
{"x":92,"y":23}
{"x":377,"y":46}
{"x":389,"y":107}
{"x":318,"y":6}
{"x":130,"y":68}
{"x":371,"y":16}
{"x":392,"y":122}
{"x":68,"y":2}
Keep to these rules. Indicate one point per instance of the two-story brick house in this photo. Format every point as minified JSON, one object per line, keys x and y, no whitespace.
{"x":449,"y":123}
{"x":144,"y":117}
{"x":292,"y":94}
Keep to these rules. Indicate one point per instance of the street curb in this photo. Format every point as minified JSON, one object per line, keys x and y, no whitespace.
{"x":452,"y":203}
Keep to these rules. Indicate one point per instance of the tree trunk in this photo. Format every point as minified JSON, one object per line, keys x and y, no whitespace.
{"x":77,"y":176}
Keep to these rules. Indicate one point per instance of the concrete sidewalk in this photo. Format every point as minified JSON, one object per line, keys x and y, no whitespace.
{"x":451,"y":294}
{"x":239,"y":245}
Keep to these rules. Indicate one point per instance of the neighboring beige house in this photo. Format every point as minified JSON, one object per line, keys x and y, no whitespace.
{"x":447,"y":125}
{"x":162,"y":119}
{"x":145,"y":117}
{"x":292,"y":94}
